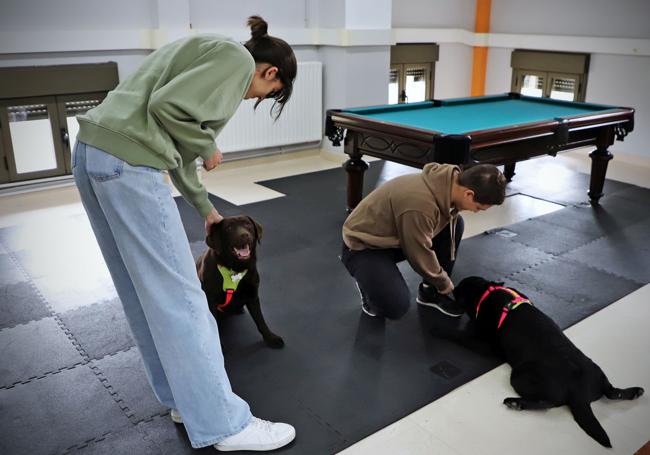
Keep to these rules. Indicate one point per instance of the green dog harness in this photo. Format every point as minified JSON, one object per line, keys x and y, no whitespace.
{"x":231,"y":280}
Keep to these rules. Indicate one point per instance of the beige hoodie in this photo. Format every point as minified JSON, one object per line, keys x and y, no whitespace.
{"x":408,"y":212}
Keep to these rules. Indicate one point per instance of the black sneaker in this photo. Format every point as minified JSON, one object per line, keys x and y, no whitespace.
{"x":429,"y":296}
{"x":365,"y":306}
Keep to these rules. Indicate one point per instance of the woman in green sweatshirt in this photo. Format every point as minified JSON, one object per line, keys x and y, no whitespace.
{"x":162,"y":118}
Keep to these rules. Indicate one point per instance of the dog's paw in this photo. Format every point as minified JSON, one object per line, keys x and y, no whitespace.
{"x":513,"y":403}
{"x":638,"y":392}
{"x":274,"y":341}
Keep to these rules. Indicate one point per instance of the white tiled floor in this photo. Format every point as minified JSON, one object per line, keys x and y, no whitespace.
{"x":471,"y":419}
{"x":235,"y":180}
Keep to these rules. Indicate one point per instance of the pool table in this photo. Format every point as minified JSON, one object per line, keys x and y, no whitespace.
{"x":497,"y":129}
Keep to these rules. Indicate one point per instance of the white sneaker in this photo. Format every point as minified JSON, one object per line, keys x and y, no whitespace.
{"x":259,"y":435}
{"x":176,"y":417}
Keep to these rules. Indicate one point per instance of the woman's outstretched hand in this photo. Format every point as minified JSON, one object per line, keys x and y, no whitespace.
{"x":213,"y":218}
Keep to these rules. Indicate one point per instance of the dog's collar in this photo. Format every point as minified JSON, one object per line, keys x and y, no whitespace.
{"x":231,"y":280}
{"x":513,"y":304}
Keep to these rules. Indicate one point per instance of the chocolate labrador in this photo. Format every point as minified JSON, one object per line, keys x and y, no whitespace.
{"x":548,"y":370}
{"x":228,"y":272}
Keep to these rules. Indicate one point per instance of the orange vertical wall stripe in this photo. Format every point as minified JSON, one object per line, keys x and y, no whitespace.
{"x":480,"y":54}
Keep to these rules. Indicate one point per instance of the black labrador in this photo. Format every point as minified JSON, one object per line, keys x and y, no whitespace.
{"x":548,"y":370}
{"x":228,"y":272}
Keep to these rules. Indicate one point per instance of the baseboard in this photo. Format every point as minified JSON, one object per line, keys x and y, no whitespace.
{"x":634,"y":160}
{"x":619,"y":157}
{"x":337,"y":157}
{"x":332,"y":156}
{"x":30,"y":186}
{"x":271,"y":151}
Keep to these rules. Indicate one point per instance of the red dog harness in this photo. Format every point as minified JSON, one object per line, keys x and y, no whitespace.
{"x":514,"y":303}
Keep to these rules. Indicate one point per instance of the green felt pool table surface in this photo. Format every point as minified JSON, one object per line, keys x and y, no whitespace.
{"x":465,"y":115}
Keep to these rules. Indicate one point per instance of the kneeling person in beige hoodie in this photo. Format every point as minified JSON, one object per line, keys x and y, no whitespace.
{"x":415,"y":218}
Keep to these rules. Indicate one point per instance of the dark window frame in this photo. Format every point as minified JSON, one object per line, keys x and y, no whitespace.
{"x":53,"y":85}
{"x":407,"y":56}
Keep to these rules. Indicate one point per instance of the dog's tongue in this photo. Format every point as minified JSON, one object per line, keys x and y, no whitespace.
{"x":243,"y":253}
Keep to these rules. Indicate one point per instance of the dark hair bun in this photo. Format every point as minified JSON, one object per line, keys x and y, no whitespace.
{"x":258,"y":26}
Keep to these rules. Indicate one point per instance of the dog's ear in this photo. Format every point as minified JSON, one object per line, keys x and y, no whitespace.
{"x":258,"y":230}
{"x":213,"y":239}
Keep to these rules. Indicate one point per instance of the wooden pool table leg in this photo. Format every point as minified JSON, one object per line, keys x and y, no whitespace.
{"x":355,"y":168}
{"x":509,"y":171}
{"x":599,"y":160}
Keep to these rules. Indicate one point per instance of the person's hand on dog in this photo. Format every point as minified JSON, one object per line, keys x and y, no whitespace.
{"x":213,"y":161}
{"x":213,"y":217}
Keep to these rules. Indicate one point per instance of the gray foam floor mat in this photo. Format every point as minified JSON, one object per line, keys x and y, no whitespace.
{"x":341,"y":375}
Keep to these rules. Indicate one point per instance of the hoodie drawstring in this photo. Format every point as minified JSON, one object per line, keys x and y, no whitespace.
{"x":452,"y":228}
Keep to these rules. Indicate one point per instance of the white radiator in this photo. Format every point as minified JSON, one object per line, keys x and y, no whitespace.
{"x":301,"y":120}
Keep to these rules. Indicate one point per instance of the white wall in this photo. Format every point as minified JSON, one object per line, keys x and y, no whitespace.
{"x":21,"y":15}
{"x":344,"y":84}
{"x":604,"y":18}
{"x":434,"y":13}
{"x":33,"y":21}
{"x":352,"y":39}
{"x":453,"y":77}
{"x":368,"y":14}
{"x":362,"y":90}
{"x":335,"y":75}
{"x":624,"y":81}
{"x":326,"y":14}
{"x":499,"y":72}
{"x":85,"y":31}
{"x":210,"y":14}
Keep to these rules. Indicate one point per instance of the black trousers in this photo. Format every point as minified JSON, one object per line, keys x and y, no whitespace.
{"x":378,"y":276}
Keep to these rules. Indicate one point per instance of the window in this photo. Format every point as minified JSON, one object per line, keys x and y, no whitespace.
{"x":38,"y":106}
{"x":394,"y":84}
{"x":558,"y":75}
{"x":417,"y":82}
{"x":411,"y":73}
{"x":533,"y":84}
{"x":564,"y":87}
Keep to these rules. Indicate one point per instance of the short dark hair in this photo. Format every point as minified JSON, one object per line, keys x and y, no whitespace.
{"x":269,"y":49}
{"x":487,"y":182}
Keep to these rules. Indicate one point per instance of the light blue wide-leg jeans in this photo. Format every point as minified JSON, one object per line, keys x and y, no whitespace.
{"x":141,"y":236}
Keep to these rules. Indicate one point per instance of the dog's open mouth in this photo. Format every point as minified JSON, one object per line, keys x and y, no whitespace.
{"x":242,"y":253}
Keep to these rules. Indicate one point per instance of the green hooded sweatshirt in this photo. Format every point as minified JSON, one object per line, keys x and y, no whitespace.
{"x":170,"y":110}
